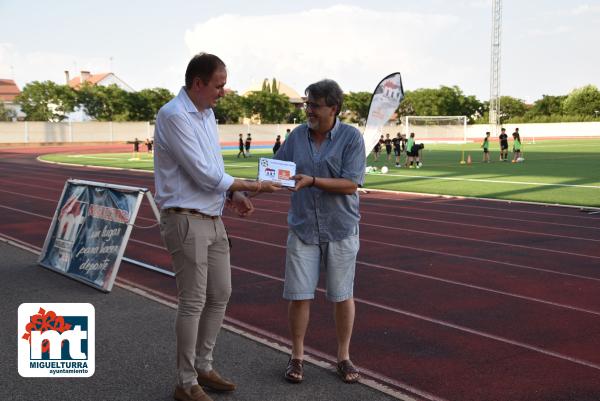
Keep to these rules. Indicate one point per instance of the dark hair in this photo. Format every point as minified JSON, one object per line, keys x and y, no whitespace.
{"x":203,"y":66}
{"x":329,"y":90}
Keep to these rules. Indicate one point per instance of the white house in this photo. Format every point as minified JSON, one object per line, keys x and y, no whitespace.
{"x":102,"y":79}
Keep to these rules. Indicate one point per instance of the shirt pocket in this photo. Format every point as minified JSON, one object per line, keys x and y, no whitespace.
{"x":334,"y":166}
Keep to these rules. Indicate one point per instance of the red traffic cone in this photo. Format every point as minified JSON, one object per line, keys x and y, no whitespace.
{"x":469,"y":161}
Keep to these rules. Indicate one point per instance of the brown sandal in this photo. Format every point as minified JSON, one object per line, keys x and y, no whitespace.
{"x":294,"y":373}
{"x":346,"y":368}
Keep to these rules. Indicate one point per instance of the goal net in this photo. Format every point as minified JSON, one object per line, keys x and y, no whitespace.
{"x":449,"y":129}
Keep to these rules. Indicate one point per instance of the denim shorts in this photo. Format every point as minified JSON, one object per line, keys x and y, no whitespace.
{"x":303,"y":262}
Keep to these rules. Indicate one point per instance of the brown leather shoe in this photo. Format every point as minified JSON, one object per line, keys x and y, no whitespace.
{"x":214,"y":381}
{"x":195,"y":393}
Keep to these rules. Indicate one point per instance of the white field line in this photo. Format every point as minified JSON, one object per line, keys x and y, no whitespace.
{"x":368,"y":201}
{"x":94,"y":157}
{"x":376,"y":190}
{"x":491,"y":181}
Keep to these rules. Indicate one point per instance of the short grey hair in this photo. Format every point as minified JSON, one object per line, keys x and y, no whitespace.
{"x":329,"y":90}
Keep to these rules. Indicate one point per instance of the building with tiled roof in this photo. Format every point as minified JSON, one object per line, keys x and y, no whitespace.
{"x":8,"y":92}
{"x":102,"y":79}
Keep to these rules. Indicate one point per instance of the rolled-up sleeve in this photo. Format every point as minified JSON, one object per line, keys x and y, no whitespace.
{"x":354,"y":161}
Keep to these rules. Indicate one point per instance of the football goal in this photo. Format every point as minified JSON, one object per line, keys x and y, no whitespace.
{"x":449,"y":129}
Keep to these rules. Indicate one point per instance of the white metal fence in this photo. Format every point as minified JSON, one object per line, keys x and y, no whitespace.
{"x":79,"y":132}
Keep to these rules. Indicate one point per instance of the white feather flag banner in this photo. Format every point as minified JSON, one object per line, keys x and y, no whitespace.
{"x":384,"y":102}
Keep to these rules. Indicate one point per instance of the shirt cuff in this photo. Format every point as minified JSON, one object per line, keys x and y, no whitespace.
{"x":225,"y":183}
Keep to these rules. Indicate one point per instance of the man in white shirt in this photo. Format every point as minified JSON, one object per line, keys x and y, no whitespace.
{"x":191,"y":191}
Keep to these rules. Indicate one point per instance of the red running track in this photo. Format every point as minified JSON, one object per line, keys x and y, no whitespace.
{"x":457,"y":299}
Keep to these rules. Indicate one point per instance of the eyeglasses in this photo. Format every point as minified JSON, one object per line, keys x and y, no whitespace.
{"x":313,"y":106}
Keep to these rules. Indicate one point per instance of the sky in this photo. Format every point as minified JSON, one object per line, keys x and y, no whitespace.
{"x":549,"y":47}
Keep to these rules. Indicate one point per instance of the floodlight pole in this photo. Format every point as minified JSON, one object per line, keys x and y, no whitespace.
{"x":495,"y":67}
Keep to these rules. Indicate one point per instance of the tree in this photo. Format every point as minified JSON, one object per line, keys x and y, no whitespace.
{"x":271,"y":107}
{"x":296,"y":116}
{"x":547,"y":106}
{"x":46,"y":101}
{"x":5,"y":114}
{"x":583,"y":101}
{"x":511,"y":107}
{"x":155,"y":98}
{"x":105,"y":103}
{"x":144,"y":105}
{"x":358,"y":105}
{"x":445,"y":101}
{"x":230,"y":108}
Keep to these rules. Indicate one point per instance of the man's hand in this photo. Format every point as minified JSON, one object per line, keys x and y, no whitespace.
{"x":269,"y":186}
{"x":241,"y":204}
{"x":302,"y":181}
{"x":265,"y":186}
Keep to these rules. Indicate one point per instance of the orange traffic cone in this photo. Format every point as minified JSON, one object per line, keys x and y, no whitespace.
{"x":469,"y":161}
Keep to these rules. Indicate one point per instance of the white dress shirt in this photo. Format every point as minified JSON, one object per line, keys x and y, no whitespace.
{"x":188,"y":165}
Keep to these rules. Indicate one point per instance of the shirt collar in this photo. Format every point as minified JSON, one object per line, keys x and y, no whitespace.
{"x":331,"y":134}
{"x":188,"y":105}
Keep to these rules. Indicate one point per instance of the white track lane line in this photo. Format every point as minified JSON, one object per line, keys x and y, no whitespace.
{"x":422,"y":317}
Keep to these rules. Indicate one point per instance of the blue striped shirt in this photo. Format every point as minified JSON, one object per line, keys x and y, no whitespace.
{"x":315,"y":215}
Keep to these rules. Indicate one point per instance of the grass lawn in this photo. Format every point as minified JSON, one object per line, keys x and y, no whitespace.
{"x":557,"y":171}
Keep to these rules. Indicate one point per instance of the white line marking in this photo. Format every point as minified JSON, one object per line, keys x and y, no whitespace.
{"x":452,"y":325}
{"x":490,"y":181}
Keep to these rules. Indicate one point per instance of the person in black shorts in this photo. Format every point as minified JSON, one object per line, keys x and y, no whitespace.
{"x":136,"y":145}
{"x":149,"y":143}
{"x":241,"y":146}
{"x":503,"y":145}
{"x":397,"y":143}
{"x":388,"y":146}
{"x":247,"y":145}
{"x":377,"y":148}
{"x":277,"y":144}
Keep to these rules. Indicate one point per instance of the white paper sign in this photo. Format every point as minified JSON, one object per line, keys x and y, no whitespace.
{"x":278,"y":171}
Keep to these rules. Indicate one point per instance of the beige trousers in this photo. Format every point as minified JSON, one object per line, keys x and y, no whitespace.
{"x":200,"y":251}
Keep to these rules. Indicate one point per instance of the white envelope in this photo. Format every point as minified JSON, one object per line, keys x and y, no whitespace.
{"x":278,"y":171}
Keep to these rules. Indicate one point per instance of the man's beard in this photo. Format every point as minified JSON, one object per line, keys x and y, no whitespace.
{"x":314,"y":125}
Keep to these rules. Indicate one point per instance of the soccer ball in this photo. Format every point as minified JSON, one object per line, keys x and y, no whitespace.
{"x":520,"y":160}
{"x":384,"y":170}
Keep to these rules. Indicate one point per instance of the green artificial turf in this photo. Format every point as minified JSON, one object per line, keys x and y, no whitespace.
{"x":557,"y":171}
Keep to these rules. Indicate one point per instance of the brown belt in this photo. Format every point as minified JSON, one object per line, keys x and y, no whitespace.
{"x":191,"y":212}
